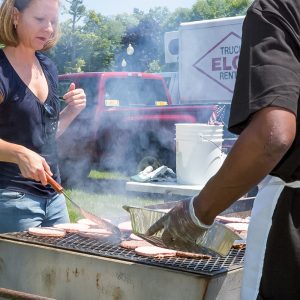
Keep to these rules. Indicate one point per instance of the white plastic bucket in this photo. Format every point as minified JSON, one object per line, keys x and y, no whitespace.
{"x":198,"y":152}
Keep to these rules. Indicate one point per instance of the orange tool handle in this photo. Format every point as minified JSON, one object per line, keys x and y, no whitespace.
{"x":54,"y":184}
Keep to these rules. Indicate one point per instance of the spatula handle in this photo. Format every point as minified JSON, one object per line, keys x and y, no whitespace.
{"x":58,"y":188}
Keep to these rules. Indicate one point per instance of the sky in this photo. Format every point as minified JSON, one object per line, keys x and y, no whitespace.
{"x":112,"y":7}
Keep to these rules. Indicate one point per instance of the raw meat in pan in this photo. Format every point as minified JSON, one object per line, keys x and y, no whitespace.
{"x":224,"y":219}
{"x":132,"y":244}
{"x":239,"y":246}
{"x":72,"y":227}
{"x":165,"y":210}
{"x":46,"y":231}
{"x":238,"y":227}
{"x":154,"y":251}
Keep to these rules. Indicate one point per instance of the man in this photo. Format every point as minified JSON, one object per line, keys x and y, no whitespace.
{"x":265,"y":114}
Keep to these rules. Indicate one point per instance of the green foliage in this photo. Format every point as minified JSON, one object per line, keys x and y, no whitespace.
{"x":76,"y":10}
{"x":93,"y":42}
{"x":211,"y":9}
{"x":173,"y":21}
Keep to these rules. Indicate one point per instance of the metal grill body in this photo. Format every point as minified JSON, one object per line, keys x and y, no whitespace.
{"x":66,"y":266}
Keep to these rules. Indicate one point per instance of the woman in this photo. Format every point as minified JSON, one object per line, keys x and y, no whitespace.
{"x":29,"y":114}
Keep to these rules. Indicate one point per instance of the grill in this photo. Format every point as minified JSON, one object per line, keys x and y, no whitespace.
{"x":73,"y":242}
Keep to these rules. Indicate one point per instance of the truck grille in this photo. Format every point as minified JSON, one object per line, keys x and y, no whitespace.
{"x":73,"y":242}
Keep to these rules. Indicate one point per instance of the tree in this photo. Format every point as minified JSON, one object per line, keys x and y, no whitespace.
{"x":93,"y":42}
{"x":103,"y":40}
{"x":76,"y":10}
{"x":212,"y":9}
{"x":145,"y":38}
{"x":178,"y":16}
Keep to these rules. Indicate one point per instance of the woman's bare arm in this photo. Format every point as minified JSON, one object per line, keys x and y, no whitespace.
{"x":31,"y":164}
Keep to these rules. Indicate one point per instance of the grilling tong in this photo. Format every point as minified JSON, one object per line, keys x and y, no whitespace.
{"x":101,"y":222}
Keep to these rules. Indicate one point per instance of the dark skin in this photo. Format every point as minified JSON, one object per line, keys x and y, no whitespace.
{"x":257,"y":151}
{"x":259,"y":148}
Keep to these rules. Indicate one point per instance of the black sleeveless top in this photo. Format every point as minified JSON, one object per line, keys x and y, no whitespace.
{"x":25,"y":121}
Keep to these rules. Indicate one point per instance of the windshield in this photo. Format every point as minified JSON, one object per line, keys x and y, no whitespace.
{"x":133,"y":91}
{"x":89,"y":85}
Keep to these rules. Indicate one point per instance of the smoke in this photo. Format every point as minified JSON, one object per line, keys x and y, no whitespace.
{"x":124,"y":127}
{"x":121,"y":125}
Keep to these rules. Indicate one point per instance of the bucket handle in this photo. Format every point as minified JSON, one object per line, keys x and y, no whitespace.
{"x":205,"y":138}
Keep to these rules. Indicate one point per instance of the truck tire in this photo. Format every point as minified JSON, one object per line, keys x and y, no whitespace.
{"x":74,"y":173}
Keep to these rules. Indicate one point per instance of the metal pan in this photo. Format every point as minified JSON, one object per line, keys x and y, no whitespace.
{"x":218,"y":240}
{"x":101,"y":222}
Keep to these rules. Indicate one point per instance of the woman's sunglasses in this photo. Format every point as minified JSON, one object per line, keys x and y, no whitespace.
{"x":50,"y":120}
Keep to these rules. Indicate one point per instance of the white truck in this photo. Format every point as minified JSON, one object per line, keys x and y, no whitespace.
{"x":207,"y":53}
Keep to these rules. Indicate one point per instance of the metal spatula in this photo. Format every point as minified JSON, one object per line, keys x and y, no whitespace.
{"x":101,"y":222}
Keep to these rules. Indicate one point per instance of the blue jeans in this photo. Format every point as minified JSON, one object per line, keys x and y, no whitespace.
{"x":19,"y":211}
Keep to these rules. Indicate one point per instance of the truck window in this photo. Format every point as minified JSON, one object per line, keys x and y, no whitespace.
{"x":90,"y":86}
{"x":134,"y":91}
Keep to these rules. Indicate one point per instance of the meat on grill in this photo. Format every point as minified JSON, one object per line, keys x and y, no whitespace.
{"x":72,"y":227}
{"x":47,"y":231}
{"x":135,"y":237}
{"x":125,"y":226}
{"x":154,"y":251}
{"x":95,"y":233}
{"x":133,"y":244}
{"x":87,"y":222}
{"x":90,"y":222}
{"x":192,"y":255}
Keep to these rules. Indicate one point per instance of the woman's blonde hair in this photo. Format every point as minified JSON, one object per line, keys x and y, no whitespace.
{"x":8,"y":33}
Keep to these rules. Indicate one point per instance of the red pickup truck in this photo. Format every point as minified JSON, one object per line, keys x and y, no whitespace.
{"x":128,"y":123}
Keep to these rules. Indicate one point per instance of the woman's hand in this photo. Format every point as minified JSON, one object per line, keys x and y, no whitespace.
{"x":75,"y":99}
{"x":33,"y":166}
{"x":76,"y":102}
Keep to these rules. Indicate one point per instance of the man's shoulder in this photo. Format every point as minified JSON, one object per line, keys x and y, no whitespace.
{"x":276,"y":6}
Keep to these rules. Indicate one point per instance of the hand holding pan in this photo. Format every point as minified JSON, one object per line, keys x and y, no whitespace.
{"x":101,"y":222}
{"x":180,"y":231}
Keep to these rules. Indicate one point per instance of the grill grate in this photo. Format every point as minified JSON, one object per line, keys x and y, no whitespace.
{"x":106,"y":248}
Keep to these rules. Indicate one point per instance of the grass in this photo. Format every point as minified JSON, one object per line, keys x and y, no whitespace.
{"x":94,"y":174}
{"x":104,"y":194}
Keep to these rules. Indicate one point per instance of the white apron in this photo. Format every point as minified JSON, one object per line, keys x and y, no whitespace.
{"x":258,"y":231}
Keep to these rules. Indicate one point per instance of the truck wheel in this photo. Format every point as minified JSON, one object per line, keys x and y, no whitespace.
{"x":148,"y":161}
{"x":73,"y":173}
